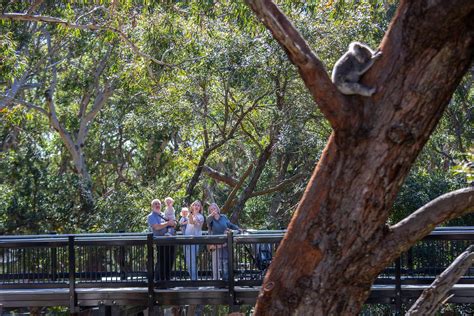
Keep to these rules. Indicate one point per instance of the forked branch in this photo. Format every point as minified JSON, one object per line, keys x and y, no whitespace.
{"x":311,"y":69}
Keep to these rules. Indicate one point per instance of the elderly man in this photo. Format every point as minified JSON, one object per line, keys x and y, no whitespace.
{"x":165,"y":254}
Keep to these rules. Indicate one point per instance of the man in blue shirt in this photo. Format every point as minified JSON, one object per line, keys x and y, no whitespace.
{"x":165,"y":254}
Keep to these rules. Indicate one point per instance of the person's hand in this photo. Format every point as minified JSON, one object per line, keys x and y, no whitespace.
{"x":211,"y":247}
{"x":171,"y":224}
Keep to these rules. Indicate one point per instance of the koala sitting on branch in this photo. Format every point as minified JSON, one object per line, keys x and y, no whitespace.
{"x":351,"y":66}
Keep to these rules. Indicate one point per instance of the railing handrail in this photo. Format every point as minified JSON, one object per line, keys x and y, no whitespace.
{"x":454,"y":232}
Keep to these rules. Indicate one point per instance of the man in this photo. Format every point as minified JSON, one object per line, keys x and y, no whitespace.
{"x":165,"y":254}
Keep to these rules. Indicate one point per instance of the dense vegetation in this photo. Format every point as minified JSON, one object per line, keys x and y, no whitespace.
{"x":190,"y":100}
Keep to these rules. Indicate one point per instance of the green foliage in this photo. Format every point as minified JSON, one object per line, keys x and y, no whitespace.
{"x":420,"y":188}
{"x":215,"y":60}
{"x":466,"y":168}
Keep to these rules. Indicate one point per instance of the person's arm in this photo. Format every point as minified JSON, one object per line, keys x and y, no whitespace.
{"x":199,"y":220}
{"x":230,"y":225}
{"x":163,"y":225}
{"x":157,"y":225}
{"x":209,"y":223}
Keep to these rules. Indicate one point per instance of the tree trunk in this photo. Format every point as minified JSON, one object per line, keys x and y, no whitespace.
{"x":195,"y":178}
{"x":84,"y":184}
{"x":257,"y":172}
{"x":338,"y":241}
{"x":275,"y":203}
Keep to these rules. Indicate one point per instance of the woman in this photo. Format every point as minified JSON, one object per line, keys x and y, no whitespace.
{"x":193,"y":228}
{"x":218,"y":224}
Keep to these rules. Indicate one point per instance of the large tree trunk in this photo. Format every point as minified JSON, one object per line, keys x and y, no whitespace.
{"x":338,"y":241}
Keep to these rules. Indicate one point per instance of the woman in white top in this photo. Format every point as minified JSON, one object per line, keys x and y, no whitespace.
{"x":193,"y":228}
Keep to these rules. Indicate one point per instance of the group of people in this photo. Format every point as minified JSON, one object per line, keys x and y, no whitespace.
{"x":191,"y":223}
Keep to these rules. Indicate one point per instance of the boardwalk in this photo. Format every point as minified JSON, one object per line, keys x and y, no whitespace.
{"x":80,"y":271}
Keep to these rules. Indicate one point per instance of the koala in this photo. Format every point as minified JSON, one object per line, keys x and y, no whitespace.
{"x":351,"y":66}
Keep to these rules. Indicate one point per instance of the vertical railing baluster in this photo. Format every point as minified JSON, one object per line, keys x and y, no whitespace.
{"x":54,"y":264}
{"x":122,"y":262}
{"x":410,"y":265}
{"x":54,"y":261}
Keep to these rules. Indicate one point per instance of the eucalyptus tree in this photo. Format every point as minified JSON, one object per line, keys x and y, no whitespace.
{"x":75,"y":61}
{"x":298,"y":130}
{"x":338,"y":240}
{"x":61,"y":94}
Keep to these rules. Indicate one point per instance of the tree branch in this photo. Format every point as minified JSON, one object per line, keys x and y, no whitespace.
{"x":256,"y":142}
{"x":34,"y":6}
{"x":17,"y":85}
{"x":424,"y":220}
{"x":280,"y":186}
{"x":216,"y":175}
{"x":53,"y":119}
{"x":331,"y":103}
{"x":94,"y":85}
{"x":230,"y":199}
{"x":89,"y":26}
{"x":432,"y":298}
{"x":234,"y":128}
{"x":99,"y":102}
{"x":29,"y":105}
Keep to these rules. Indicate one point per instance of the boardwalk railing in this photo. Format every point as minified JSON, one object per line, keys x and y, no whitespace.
{"x":227,"y":261}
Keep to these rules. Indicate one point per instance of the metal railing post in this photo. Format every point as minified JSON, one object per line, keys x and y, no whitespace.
{"x":72,"y":276}
{"x":54,"y":262}
{"x":398,"y":286}
{"x":150,"y":272}
{"x":230,"y":269}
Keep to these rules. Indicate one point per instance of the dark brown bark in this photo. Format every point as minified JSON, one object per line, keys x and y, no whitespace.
{"x":257,"y":172}
{"x":216,"y":175}
{"x":195,"y":178}
{"x":331,"y":253}
{"x":311,"y":70}
{"x":231,"y":197}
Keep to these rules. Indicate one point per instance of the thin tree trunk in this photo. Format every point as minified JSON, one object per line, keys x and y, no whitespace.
{"x":257,"y":172}
{"x":275,"y":203}
{"x":432,"y":298}
{"x":195,"y":178}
